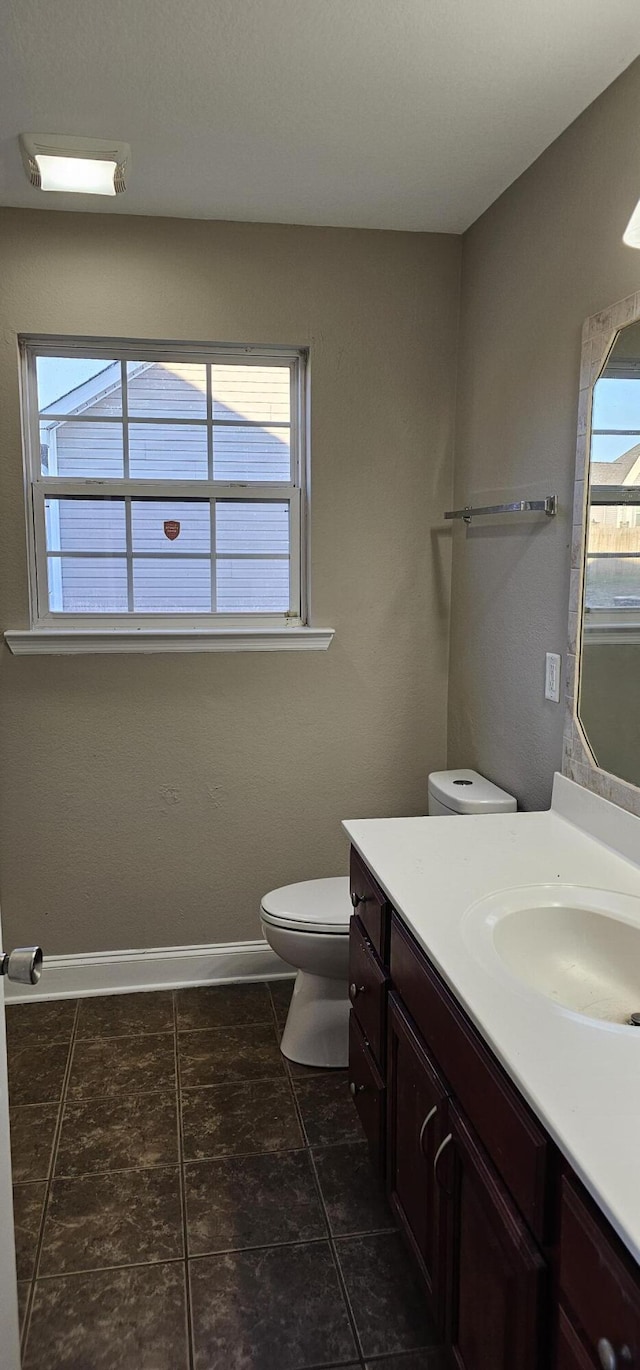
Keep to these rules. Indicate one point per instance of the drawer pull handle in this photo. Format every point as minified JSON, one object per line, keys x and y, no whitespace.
{"x":355,"y":1089}
{"x":357,"y":899}
{"x":608,"y":1358}
{"x":441,"y":1148}
{"x":354,"y":991}
{"x":431,"y":1114}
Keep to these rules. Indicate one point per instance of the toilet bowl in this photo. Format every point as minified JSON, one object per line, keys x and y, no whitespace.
{"x":307,"y":925}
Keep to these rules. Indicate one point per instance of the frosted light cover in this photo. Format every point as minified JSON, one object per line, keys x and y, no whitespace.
{"x":84,"y":174}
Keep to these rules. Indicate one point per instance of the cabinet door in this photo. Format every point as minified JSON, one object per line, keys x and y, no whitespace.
{"x":598,"y":1280}
{"x":571,"y":1354}
{"x":497,"y":1276}
{"x":415,"y":1118}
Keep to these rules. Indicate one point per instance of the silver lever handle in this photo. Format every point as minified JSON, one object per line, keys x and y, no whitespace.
{"x":441,"y":1148}
{"x":607,"y":1355}
{"x":431,"y":1114}
{"x":23,"y":964}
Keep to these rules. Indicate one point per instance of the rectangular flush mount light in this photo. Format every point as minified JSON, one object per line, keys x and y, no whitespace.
{"x":82,"y":165}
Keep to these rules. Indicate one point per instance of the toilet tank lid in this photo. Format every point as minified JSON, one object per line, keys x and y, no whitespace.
{"x":468,"y":792}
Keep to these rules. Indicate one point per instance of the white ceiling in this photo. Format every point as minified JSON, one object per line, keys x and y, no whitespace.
{"x":406,"y":114}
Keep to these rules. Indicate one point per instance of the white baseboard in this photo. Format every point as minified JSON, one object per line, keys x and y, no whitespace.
{"x":119,"y":972}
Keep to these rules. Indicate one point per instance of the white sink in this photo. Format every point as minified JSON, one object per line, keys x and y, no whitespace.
{"x":578,"y":947}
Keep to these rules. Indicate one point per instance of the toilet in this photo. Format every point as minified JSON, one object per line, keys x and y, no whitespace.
{"x":307,"y":925}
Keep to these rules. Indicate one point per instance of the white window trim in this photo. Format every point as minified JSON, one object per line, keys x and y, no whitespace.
{"x":72,"y":633}
{"x":83,"y":641}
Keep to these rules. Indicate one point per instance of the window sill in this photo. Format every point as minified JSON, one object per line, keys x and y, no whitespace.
{"x":82,"y":641}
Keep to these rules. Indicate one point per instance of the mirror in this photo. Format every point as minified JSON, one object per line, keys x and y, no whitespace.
{"x":609,"y":693}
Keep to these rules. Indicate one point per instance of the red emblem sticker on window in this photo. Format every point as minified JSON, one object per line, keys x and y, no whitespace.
{"x":171,"y":529}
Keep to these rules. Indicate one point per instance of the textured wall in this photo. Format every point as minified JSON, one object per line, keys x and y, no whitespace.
{"x":149,"y":800}
{"x":547,"y":254}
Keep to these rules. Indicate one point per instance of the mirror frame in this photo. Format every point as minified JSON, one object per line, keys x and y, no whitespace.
{"x":578,"y":762}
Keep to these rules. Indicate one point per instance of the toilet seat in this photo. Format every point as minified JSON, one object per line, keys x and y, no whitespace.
{"x":311,"y":906}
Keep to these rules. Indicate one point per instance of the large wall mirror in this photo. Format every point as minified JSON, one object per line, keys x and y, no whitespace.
{"x":609,"y":693}
{"x":602,"y":731}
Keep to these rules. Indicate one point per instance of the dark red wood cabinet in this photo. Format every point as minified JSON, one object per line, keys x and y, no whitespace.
{"x":497,"y":1273}
{"x":415,"y":1131}
{"x":519,"y":1268}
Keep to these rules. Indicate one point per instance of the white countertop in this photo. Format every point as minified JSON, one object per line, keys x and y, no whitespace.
{"x":581,"y":1079}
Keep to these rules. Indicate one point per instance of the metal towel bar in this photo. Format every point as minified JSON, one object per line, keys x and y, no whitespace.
{"x":547,"y":506}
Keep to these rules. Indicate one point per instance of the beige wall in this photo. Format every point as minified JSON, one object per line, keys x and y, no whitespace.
{"x":547,"y":254}
{"x":149,"y":801}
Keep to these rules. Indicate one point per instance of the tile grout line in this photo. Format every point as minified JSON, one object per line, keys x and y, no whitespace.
{"x":340,"y":1278}
{"x":183,"y":1192}
{"x":177,"y":1260}
{"x":338,"y":1267}
{"x":49,"y":1181}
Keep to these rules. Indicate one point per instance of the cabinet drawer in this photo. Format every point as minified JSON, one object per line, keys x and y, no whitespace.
{"x":367,"y":1088}
{"x":370,"y":905}
{"x":596,"y":1279}
{"x":367,"y":990}
{"x":514,"y":1140}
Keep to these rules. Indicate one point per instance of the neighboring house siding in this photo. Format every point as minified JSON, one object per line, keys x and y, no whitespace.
{"x":163,"y":451}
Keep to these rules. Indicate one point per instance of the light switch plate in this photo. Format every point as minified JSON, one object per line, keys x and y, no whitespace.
{"x":552,"y":668}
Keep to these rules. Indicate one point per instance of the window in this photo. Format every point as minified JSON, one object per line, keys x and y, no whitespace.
{"x":612,"y":575}
{"x":166,"y":484}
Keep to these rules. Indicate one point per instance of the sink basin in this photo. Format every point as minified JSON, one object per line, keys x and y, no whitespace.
{"x":578,"y":947}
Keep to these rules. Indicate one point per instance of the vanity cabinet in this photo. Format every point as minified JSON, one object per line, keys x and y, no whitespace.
{"x":520,"y":1270}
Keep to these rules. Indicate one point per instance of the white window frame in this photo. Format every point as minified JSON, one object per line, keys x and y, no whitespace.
{"x":215,"y":630}
{"x":614,"y":624}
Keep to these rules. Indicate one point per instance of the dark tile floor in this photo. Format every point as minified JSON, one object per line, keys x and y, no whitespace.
{"x":185,"y":1199}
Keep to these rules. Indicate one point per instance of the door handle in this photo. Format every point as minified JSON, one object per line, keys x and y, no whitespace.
{"x":441,"y":1148}
{"x":23,"y":964}
{"x":431,"y":1114}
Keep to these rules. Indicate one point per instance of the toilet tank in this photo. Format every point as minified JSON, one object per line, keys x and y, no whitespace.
{"x":462,"y":792}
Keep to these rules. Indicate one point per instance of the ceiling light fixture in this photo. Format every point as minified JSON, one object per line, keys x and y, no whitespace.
{"x":631,"y":235}
{"x":85,"y":166}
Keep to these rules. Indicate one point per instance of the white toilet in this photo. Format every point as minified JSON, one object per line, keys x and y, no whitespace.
{"x":307,"y":925}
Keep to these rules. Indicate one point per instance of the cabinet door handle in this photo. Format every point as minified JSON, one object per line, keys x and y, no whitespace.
{"x":357,"y":899}
{"x":355,"y":1089}
{"x":431,"y":1114}
{"x":607,"y":1355}
{"x":436,"y":1158}
{"x":355,"y":990}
